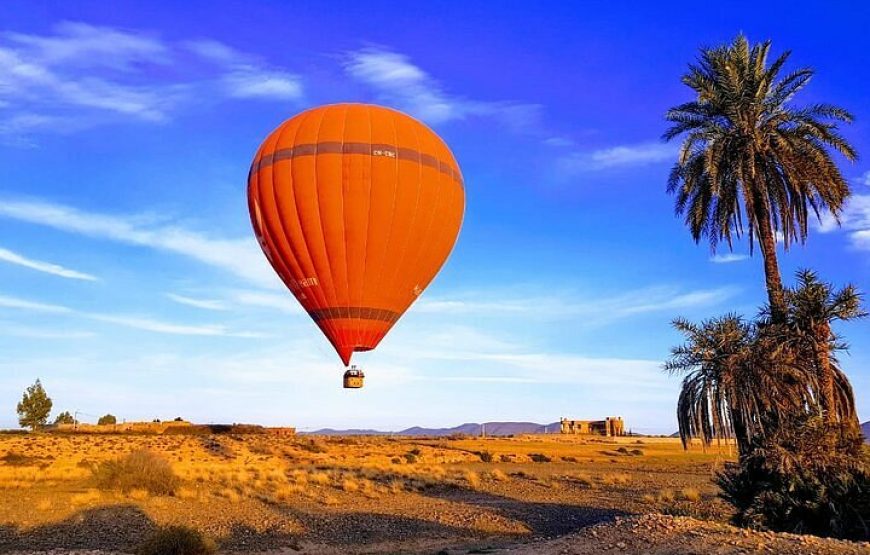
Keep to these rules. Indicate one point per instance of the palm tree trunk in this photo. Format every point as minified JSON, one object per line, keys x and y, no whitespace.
{"x":767,"y":242}
{"x":823,"y":364}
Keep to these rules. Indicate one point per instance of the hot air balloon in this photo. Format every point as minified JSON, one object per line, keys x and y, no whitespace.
{"x":356,"y":207}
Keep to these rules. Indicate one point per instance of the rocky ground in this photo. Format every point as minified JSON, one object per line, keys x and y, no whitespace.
{"x":652,"y":534}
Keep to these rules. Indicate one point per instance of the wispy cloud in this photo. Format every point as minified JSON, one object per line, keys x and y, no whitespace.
{"x":241,"y":257}
{"x":641,"y":154}
{"x":144,"y":323}
{"x":59,"y":71}
{"x":855,"y":220}
{"x":245,"y":76}
{"x":205,"y":304}
{"x":398,"y":81}
{"x":46,"y":267}
{"x":82,"y":75}
{"x":728,"y":258}
{"x":27,"y":332}
{"x":23,"y":304}
{"x":158,"y":326}
{"x":592,"y":308}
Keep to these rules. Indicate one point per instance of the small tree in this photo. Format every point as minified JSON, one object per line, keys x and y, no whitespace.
{"x":34,"y":408}
{"x":107,"y":420}
{"x":64,"y":418}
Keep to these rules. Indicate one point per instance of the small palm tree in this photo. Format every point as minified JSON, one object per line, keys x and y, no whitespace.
{"x":813,"y":305}
{"x":740,"y":381}
{"x":713,"y":360}
{"x":750,"y":160}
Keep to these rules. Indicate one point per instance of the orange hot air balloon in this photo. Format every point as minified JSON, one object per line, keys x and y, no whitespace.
{"x":356,"y":207}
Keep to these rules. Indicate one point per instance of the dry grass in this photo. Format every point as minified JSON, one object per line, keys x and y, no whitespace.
{"x":666,"y":496}
{"x":140,"y":470}
{"x":255,"y":482}
{"x":690,"y":494}
{"x":613,"y":479}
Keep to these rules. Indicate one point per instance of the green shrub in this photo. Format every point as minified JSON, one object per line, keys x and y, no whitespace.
{"x":485,"y":456}
{"x":107,"y":420}
{"x":539,"y":458}
{"x":808,"y":477}
{"x":138,"y":470}
{"x":176,"y":540}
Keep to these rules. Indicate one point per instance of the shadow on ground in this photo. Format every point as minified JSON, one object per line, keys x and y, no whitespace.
{"x":123,"y":527}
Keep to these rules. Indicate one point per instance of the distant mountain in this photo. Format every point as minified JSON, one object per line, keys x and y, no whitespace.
{"x":471,"y":429}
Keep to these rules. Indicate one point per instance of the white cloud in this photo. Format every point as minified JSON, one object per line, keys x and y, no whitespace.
{"x":26,"y":332}
{"x":283,"y":301}
{"x":83,"y":44}
{"x":245,"y":76}
{"x":82,"y":75}
{"x":130,"y":321}
{"x":263,"y":84}
{"x":728,"y":258}
{"x":399,"y":82}
{"x":158,"y":326}
{"x":864,"y":179}
{"x":592,"y":307}
{"x":641,"y":154}
{"x":30,"y":80}
{"x":46,"y":267}
{"x":22,"y":304}
{"x":205,"y":304}
{"x":242,"y":257}
{"x":855,"y":220}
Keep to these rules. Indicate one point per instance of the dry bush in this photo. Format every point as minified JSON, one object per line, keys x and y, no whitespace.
{"x":612,"y":479}
{"x":579,"y":478}
{"x":230,"y":494}
{"x":472,"y":479}
{"x":691,"y":494}
{"x":139,"y":470}
{"x":349,"y":485}
{"x":176,"y":540}
{"x":498,"y":476}
{"x":666,"y":495}
{"x":647,"y":498}
{"x":540,"y":458}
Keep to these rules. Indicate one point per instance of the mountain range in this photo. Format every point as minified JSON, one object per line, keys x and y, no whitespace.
{"x":475,"y":429}
{"x":470,"y":428}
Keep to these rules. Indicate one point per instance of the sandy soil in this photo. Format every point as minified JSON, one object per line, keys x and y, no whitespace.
{"x":543,"y":494}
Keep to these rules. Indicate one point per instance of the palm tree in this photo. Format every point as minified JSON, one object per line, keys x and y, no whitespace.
{"x":813,"y":305}
{"x":739,"y":381}
{"x":713,"y":359}
{"x":750,"y":160}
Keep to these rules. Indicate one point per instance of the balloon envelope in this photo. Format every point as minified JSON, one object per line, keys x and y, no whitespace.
{"x":356,"y":207}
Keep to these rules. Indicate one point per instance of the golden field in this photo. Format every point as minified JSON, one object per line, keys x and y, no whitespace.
{"x":342,"y":494}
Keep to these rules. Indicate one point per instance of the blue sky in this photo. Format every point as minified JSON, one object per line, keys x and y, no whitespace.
{"x":130,"y":281}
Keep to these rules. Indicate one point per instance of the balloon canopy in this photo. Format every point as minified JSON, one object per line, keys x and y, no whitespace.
{"x":356,"y":207}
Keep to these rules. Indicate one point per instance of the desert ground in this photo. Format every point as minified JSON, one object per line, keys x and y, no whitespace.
{"x":306,"y":494}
